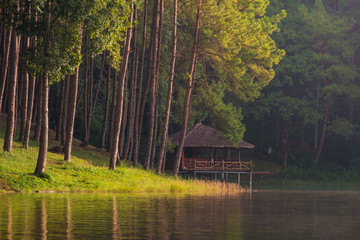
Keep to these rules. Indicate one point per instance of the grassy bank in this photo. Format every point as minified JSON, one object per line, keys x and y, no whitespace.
{"x":87,"y":172}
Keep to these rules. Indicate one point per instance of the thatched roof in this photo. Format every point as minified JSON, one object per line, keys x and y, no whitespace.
{"x":205,"y":136}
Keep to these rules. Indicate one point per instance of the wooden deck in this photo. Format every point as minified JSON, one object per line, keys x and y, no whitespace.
{"x":198,"y":164}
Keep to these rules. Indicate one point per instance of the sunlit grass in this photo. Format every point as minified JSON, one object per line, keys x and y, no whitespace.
{"x":88,"y":172}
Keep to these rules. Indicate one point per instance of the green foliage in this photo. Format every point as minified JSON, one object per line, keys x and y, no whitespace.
{"x":237,"y":43}
{"x":56,"y":48}
{"x":225,"y":116}
{"x":342,"y":127}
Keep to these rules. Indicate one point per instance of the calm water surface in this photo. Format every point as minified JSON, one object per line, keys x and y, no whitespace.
{"x":261,"y":215}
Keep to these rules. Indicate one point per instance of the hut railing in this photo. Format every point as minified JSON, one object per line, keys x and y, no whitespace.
{"x":201,"y":164}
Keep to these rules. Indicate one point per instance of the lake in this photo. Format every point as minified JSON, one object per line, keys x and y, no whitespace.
{"x":268,"y":214}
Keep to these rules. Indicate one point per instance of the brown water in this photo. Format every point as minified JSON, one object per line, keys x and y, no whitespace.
{"x":261,"y":215}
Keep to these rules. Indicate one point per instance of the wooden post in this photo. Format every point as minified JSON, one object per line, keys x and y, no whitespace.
{"x":215,"y":176}
{"x":194,"y":174}
{"x":251,"y":170}
{"x":226,"y":177}
{"x":222,"y":176}
{"x":239,"y":154}
{"x":251,"y":181}
{"x":223,"y":165}
{"x":238,"y":175}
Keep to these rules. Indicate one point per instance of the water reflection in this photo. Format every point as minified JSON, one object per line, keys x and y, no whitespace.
{"x":69,"y":224}
{"x":262,"y":215}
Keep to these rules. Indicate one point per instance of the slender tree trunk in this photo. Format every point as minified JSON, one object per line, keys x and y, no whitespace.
{"x":132,"y":92}
{"x":73,"y":87}
{"x":44,"y":113}
{"x":137,"y":130}
{"x":71,"y":111}
{"x":11,"y":111}
{"x":152,"y":66}
{"x":112,"y":112}
{"x":29,"y":112}
{"x":106,"y":107}
{"x":65,"y":102}
{"x":5,"y":62}
{"x":323,"y":135}
{"x":86,"y":94}
{"x":24,"y":100}
{"x":91,"y":102}
{"x":120,"y":97}
{"x":188,"y":92}
{"x":41,"y":162}
{"x":38,"y":115}
{"x":25,"y":94}
{"x":61,"y":111}
{"x":162,"y":149}
{"x":52,"y":95}
{"x":123,"y":125}
{"x":156,"y":124}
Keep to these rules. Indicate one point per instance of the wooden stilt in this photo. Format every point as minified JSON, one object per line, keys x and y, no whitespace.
{"x":222,"y":176}
{"x":226,"y":177}
{"x":251,"y":181}
{"x":238,"y":175}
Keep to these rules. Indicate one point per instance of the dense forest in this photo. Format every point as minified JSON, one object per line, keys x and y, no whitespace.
{"x":309,"y":113}
{"x":123,"y":75}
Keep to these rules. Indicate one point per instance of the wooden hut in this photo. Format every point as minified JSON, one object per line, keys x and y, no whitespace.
{"x":206,"y":150}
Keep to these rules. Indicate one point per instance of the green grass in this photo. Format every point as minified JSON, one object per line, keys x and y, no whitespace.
{"x":88,"y":172}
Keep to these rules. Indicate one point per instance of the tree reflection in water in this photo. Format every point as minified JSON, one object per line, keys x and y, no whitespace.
{"x":263,"y":215}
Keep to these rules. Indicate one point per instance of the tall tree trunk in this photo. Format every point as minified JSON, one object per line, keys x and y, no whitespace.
{"x":52,"y":95}
{"x":5,"y":62}
{"x":112,"y":112}
{"x":11,"y":111}
{"x":323,"y":135}
{"x":156,"y":124}
{"x":86,"y":93}
{"x":164,"y":135}
{"x":61,"y":111}
{"x":65,"y":102}
{"x":44,"y":113}
{"x":132,"y":92}
{"x":38,"y":115}
{"x":24,"y":100}
{"x":41,"y":161}
{"x":106,"y":111}
{"x":73,"y":88}
{"x":152,"y":68}
{"x":93,"y":103}
{"x":25,"y":94}
{"x":29,"y":112}
{"x":188,"y":92}
{"x":123,"y":124}
{"x":120,"y":97}
{"x":137,"y":130}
